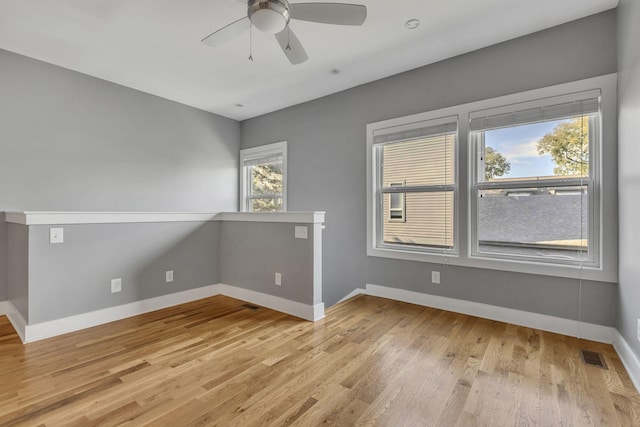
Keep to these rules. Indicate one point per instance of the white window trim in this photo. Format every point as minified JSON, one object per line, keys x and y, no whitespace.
{"x":607,"y":196}
{"x":374,"y":245}
{"x":276,"y":148}
{"x":592,"y":182}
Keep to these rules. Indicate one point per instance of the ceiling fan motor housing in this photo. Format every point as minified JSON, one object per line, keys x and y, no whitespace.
{"x":269,"y":16}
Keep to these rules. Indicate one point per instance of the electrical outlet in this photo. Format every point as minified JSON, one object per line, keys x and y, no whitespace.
{"x":56,"y":235}
{"x":638,"y":329}
{"x":278,"y":279}
{"x":301,"y":232}
{"x":116,"y":285}
{"x":168,"y":276}
{"x":435,"y":277}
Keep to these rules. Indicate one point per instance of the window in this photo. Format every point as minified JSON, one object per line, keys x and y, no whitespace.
{"x":523,"y":182}
{"x":415,"y":186}
{"x":535,"y":182}
{"x":263,"y":172}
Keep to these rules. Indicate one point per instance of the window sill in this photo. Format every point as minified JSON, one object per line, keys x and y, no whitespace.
{"x":409,"y":255}
{"x":527,"y":267}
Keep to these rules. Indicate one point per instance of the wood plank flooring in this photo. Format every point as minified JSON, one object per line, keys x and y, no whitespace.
{"x":370,"y":362}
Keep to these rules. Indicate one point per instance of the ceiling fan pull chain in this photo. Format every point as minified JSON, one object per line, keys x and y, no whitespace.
{"x":250,"y":42}
{"x":288,"y":47}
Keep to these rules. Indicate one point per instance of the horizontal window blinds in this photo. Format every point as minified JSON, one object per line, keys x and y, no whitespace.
{"x":434,"y":127}
{"x":520,"y":114}
{"x":265,"y":160}
{"x":423,"y":161}
{"x":417,"y":168}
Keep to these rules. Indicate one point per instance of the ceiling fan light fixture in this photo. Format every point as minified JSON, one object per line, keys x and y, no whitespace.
{"x":270,"y":16}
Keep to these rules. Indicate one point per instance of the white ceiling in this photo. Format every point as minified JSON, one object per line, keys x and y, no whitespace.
{"x":154,"y":45}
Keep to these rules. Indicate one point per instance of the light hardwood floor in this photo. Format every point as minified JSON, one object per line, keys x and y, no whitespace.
{"x":371,"y":361}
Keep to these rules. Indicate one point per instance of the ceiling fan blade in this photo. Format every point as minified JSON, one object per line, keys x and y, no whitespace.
{"x":226,"y":33}
{"x":291,"y":46}
{"x":329,"y":13}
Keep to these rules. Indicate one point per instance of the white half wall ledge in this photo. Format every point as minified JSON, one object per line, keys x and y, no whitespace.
{"x":52,"y":328}
{"x":298,"y":217}
{"x":62,"y":218}
{"x":58,"y":218}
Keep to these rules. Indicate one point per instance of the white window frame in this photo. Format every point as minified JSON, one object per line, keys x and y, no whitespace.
{"x":375,"y":214}
{"x":465,"y":160}
{"x":263,"y":151}
{"x":592,"y":182}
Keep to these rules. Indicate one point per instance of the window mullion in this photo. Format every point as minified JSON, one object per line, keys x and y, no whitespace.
{"x":418,"y":189}
{"x":265,"y":196}
{"x":565,"y":182}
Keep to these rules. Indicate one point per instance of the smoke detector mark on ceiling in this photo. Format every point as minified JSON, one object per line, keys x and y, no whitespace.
{"x":412,"y":24}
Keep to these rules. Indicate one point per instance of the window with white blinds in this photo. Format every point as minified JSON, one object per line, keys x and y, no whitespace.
{"x":535,"y":182}
{"x":523,"y":182}
{"x":416,"y":185}
{"x":263,"y":178}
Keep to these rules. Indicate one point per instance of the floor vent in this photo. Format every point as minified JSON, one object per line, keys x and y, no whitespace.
{"x":250,"y":306}
{"x":592,"y":358}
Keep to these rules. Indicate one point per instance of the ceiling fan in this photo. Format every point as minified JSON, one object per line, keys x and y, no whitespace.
{"x":273,"y":16}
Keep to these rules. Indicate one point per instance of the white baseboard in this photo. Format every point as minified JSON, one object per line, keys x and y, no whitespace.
{"x":543,"y":322}
{"x":629,"y":358}
{"x":77,"y":322}
{"x":590,"y":331}
{"x":4,"y":308}
{"x":39,"y":331}
{"x":16,"y":320}
{"x":294,"y":308}
{"x":609,"y":335}
{"x":354,"y":293}
{"x":318,"y":312}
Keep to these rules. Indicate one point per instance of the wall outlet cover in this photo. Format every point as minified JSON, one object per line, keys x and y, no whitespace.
{"x":435,"y":277}
{"x":638,"y":329}
{"x":301,"y":232}
{"x":278,"y":279}
{"x":56,"y":235}
{"x":168,"y":276}
{"x":116,"y":285}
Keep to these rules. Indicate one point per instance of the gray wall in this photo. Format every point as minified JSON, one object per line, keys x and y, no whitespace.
{"x":252,"y":252}
{"x":628,"y":172}
{"x":75,"y":276}
{"x":73,"y":142}
{"x":3,"y":258}
{"x":326,"y":160}
{"x":18,"y":268}
{"x":529,"y":292}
